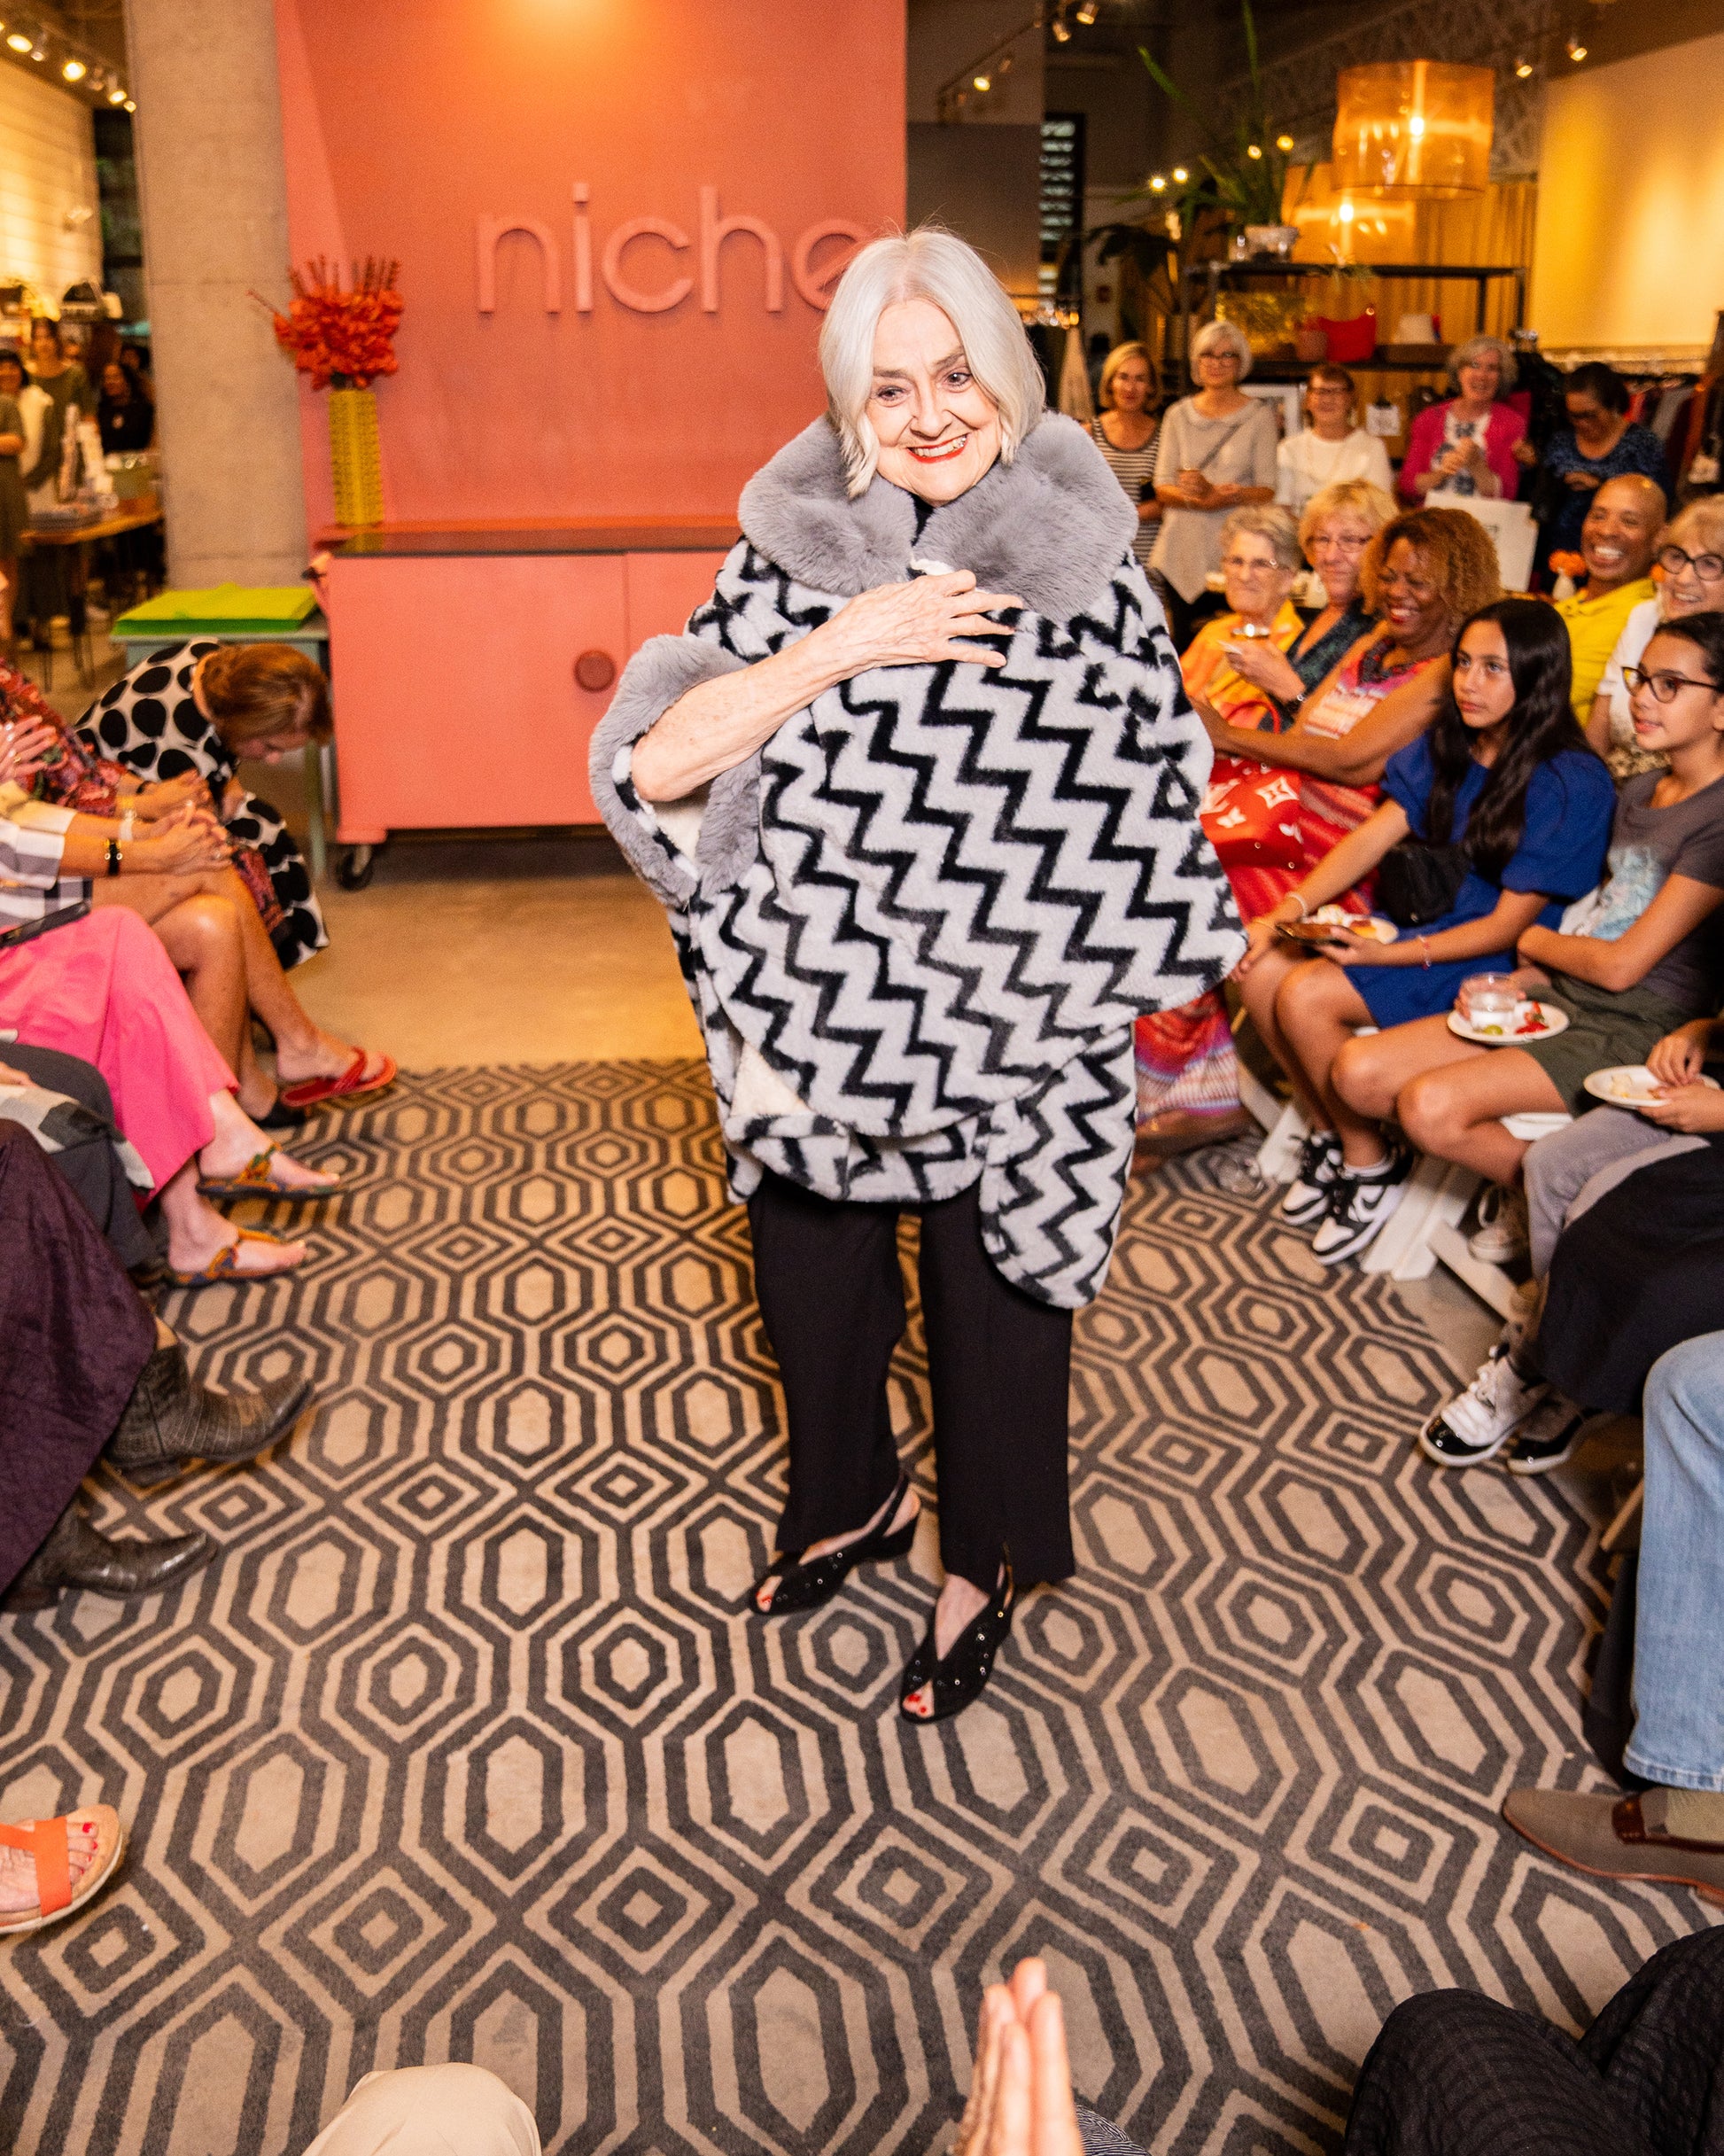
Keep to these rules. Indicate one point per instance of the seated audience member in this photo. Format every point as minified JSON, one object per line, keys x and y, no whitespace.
{"x":102,"y":988}
{"x":1689,"y":563}
{"x":1599,"y":443}
{"x":1617,"y":538}
{"x":51,"y":1868}
{"x":1467,"y":446}
{"x":1281,"y":796}
{"x":195,"y":710}
{"x":1649,"y":958}
{"x":175,"y":876}
{"x":1504,"y":802}
{"x":85,"y":1370}
{"x":1331,"y":449}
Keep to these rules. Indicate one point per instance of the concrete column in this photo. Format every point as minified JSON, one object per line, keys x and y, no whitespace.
{"x":214,"y":197}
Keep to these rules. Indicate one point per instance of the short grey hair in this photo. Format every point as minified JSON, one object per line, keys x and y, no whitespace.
{"x":1227,"y":335}
{"x":938,"y":267}
{"x":1472,"y":349}
{"x":1266,"y":520}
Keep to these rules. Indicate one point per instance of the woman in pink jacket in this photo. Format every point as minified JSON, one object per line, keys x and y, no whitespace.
{"x":1467,"y":446}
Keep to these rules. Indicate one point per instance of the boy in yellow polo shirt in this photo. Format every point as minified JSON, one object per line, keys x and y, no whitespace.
{"x":1617,"y":542}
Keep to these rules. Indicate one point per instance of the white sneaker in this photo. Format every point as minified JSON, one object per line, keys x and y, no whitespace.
{"x":1502,"y":1234}
{"x":1476,"y":1424}
{"x":1319,"y":1164}
{"x":1360,"y":1203}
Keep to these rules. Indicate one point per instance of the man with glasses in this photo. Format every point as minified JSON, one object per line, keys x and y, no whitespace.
{"x":1616,"y":540}
{"x":1691,"y":557}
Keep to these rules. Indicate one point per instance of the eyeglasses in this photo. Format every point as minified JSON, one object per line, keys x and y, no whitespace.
{"x":1664,"y":686}
{"x":1219,"y":359}
{"x":1707,"y":567}
{"x":1241,"y":567}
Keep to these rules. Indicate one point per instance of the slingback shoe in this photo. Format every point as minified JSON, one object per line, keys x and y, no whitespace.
{"x":805,"y":1586}
{"x":964,"y":1673}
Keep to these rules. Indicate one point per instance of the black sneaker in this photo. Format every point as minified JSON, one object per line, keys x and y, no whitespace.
{"x":1547,"y":1437}
{"x":1307,"y":1195}
{"x":1360,"y":1203}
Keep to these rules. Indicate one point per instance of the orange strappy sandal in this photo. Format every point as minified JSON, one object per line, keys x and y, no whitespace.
{"x":49,"y":1841}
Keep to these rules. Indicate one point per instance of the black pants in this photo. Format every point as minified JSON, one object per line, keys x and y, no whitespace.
{"x":999,"y":1363}
{"x":1455,"y":2074}
{"x":87,"y":1158}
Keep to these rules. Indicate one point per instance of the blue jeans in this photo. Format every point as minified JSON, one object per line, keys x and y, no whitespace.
{"x":1679,"y":1671}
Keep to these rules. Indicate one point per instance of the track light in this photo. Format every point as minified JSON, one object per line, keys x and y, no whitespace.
{"x":984,"y":83}
{"x":1283,"y":142}
{"x":116,"y":95}
{"x":1253,"y":149}
{"x":1087,"y":12}
{"x":1157,"y":185}
{"x":131,"y":105}
{"x":1522,"y":68}
{"x":18,"y":43}
{"x":1180,"y":173}
{"x":1062,"y":30}
{"x":74,"y":70}
{"x":1577,"y":52}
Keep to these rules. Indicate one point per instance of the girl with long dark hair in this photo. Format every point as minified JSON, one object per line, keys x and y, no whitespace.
{"x":1497,"y":818}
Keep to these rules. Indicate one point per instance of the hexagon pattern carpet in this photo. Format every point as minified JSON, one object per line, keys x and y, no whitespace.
{"x":465,"y":1748}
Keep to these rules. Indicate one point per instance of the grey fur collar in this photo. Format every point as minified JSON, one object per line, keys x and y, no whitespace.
{"x":1052,"y":526}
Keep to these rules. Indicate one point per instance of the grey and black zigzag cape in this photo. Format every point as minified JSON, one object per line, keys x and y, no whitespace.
{"x":917,"y":925}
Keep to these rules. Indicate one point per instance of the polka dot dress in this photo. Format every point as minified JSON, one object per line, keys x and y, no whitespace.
{"x":150,"y":722}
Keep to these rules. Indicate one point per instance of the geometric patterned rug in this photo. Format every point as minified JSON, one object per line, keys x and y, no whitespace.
{"x":464,"y":1747}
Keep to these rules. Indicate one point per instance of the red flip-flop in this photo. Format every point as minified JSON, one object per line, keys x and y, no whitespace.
{"x":352,"y":1084}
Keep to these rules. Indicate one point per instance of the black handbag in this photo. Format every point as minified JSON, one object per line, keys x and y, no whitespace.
{"x":1418,"y":882}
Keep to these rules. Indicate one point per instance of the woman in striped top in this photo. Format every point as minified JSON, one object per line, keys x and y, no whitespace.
{"x":1125,"y":433}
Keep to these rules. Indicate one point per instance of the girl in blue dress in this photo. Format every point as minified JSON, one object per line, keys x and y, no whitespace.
{"x":1504,"y":774}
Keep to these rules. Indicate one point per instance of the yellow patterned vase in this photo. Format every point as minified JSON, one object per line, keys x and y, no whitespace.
{"x":355,"y":461}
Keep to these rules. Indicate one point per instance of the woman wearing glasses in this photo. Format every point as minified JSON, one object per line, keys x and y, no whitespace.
{"x":1691,"y":560}
{"x":1329,"y":448}
{"x":1647,"y":958}
{"x":1216,"y":454}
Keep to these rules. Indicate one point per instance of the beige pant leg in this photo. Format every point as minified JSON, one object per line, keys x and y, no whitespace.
{"x":430,"y":2111}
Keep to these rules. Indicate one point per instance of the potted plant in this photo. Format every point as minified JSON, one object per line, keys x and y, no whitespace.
{"x":1245,"y":174}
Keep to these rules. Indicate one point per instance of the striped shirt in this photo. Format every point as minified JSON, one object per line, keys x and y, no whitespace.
{"x":32,"y":840}
{"x":1135,"y":470}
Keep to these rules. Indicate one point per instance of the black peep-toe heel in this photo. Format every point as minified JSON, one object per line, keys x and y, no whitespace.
{"x":805,"y":1586}
{"x":963,"y":1675}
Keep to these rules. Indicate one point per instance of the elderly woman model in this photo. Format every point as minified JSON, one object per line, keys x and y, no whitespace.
{"x":918,"y":790}
{"x":1468,"y":445}
{"x":1216,"y":453}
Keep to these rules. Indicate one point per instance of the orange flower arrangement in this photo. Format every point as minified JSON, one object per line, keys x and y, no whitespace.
{"x":342,"y":340}
{"x":1568,"y":564}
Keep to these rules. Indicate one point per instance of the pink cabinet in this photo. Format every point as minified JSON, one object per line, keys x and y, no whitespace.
{"x":470,"y":667}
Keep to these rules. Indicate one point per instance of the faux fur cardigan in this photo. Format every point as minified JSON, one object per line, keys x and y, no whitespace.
{"x":917,"y":925}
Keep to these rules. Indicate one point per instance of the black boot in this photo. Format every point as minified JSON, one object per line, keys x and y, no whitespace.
{"x":170,"y":1420}
{"x":74,"y":1555}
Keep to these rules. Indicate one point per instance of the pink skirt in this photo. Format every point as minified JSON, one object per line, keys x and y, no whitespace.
{"x":103,"y":988}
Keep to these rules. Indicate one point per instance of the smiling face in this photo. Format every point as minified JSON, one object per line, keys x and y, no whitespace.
{"x":1591,"y":422}
{"x":1412,"y":600}
{"x":938,"y":429}
{"x":1130,"y":388}
{"x":1694,"y":710}
{"x":1693,"y":567}
{"x":1616,"y":539}
{"x":1337,"y":548}
{"x":1331,"y":407}
{"x":1481,"y":377}
{"x":1256,"y":583}
{"x":1484,"y":686}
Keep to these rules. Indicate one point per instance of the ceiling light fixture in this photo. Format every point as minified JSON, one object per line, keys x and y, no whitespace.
{"x":1087,"y":12}
{"x":131,"y":106}
{"x":74,"y":70}
{"x":1180,"y":173}
{"x":1283,"y":142}
{"x":1577,"y":52}
{"x":1158,"y":184}
{"x":984,"y":83}
{"x":1522,"y":68}
{"x":1062,"y":30}
{"x":1254,"y":150}
{"x":18,"y":42}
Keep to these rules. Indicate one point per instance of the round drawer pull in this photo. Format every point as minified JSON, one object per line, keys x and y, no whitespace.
{"x":595,"y":670}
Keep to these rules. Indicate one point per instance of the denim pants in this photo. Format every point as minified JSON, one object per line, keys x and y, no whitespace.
{"x":1679,"y":1671}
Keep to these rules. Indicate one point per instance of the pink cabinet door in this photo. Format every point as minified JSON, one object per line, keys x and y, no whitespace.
{"x":455,"y":692}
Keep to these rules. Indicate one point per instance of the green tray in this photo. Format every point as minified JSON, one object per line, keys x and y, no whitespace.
{"x":228,"y":609}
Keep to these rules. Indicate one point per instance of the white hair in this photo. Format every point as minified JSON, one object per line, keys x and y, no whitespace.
{"x":1224,"y":333}
{"x":938,"y":267}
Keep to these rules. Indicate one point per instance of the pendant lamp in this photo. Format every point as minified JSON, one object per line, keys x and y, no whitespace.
{"x":1414,"y":128}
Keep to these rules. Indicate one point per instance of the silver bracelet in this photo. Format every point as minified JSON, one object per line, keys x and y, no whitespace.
{"x":126,"y":823}
{"x":1304,"y":910}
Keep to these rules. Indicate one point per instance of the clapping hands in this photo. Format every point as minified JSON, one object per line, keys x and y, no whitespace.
{"x":188,"y":842}
{"x":1020,"y":2097}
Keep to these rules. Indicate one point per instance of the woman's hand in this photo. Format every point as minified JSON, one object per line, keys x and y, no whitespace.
{"x":918,"y":623}
{"x":1680,"y":1057}
{"x":169,"y":795}
{"x":1265,"y":668}
{"x":189,"y":843}
{"x":1523,"y":978}
{"x":1150,"y":512}
{"x":25,"y":745}
{"x":1692,"y":1109}
{"x":1524,"y":453}
{"x":1260,"y":936}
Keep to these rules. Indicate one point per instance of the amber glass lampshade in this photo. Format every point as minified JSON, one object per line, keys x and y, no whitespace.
{"x":1413,"y":128}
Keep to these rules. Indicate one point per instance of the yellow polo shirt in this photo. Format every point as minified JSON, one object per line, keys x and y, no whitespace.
{"x":1593,"y":626}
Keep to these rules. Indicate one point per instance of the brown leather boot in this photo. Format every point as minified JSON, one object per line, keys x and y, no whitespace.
{"x":74,"y":1555}
{"x":171,"y":1420}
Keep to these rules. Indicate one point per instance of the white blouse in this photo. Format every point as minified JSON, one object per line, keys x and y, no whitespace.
{"x":1305,"y":464}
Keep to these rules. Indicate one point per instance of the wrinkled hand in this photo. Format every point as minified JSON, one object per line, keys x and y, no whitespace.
{"x":1257,"y":661}
{"x":186,"y":792}
{"x":1688,"y":1108}
{"x":188,"y":842}
{"x":917,"y":623}
{"x":1680,"y":1057}
{"x":1021,"y":2099}
{"x":25,"y":745}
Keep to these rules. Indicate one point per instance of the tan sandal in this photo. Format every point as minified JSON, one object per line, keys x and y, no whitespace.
{"x":224,"y":1264}
{"x":50,"y":1843}
{"x":256,"y":1179}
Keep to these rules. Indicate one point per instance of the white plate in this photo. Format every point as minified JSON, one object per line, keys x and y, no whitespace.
{"x":1555,"y":1022}
{"x":1627,"y":1085}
